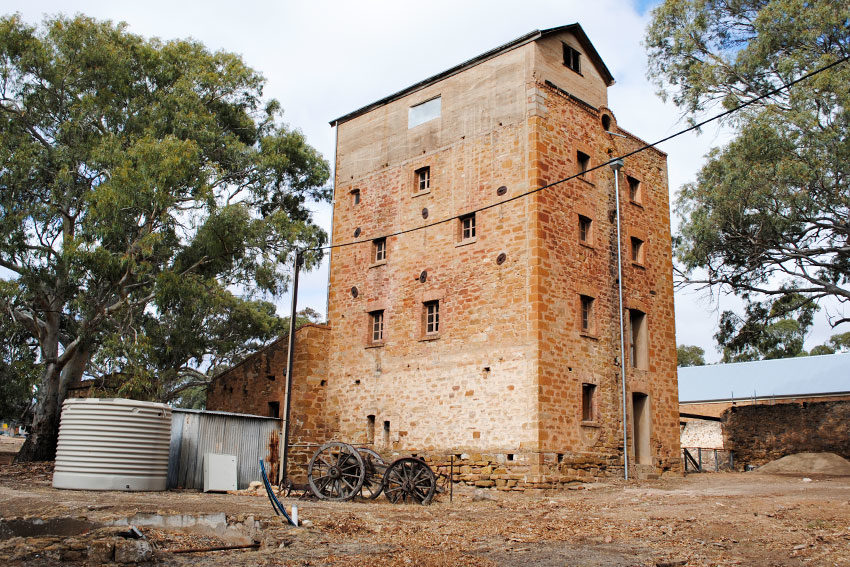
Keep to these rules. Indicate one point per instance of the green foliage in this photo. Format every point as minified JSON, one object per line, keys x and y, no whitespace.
{"x":771,"y":329}
{"x":836,"y":343}
{"x":769,"y":211}
{"x":690,"y":355}
{"x":141,"y":183}
{"x":18,"y":370}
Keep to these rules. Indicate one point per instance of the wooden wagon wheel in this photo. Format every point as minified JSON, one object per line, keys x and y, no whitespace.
{"x":336,"y":472}
{"x":373,"y":483}
{"x":409,"y":480}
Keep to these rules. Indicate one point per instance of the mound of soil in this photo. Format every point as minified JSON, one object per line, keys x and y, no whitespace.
{"x":808,"y":463}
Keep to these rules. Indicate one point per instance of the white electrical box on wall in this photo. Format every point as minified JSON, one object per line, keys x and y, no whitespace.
{"x":219,"y":472}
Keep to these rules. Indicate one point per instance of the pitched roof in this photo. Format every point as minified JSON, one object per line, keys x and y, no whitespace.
{"x":574,"y":29}
{"x":828,"y":373}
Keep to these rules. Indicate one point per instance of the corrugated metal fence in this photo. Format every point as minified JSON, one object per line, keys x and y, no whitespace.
{"x":196,"y":432}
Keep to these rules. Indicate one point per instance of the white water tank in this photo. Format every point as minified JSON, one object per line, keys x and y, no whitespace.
{"x":112,"y":444}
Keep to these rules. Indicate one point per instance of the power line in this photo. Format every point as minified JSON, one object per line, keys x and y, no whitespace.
{"x":601,"y":165}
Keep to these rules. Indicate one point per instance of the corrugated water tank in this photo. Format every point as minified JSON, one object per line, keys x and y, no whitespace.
{"x":112,"y":444}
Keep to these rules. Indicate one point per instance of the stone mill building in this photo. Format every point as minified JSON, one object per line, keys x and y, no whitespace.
{"x":491,"y":332}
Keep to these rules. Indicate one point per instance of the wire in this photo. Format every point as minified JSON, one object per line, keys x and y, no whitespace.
{"x":601,"y":165}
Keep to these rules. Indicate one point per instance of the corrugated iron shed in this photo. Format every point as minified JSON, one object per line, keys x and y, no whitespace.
{"x":196,"y":432}
{"x":799,"y":376}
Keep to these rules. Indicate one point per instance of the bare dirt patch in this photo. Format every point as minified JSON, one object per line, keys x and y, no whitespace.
{"x":700,"y":520}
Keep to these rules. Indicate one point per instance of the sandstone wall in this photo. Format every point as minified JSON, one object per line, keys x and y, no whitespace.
{"x":472,"y":385}
{"x":260,"y":380}
{"x":762,"y":433}
{"x":571,"y":268}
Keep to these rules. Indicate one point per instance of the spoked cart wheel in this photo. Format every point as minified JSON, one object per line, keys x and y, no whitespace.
{"x":336,"y":472}
{"x":373,"y":483}
{"x":409,"y":480}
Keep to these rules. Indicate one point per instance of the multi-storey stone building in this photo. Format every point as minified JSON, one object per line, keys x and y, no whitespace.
{"x":472,"y":316}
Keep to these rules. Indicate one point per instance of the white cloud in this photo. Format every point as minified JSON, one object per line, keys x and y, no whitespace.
{"x":325,"y":58}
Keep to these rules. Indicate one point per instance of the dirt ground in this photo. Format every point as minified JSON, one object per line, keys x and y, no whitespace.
{"x":699,"y":520}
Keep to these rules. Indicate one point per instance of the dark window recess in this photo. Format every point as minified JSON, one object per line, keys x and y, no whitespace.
{"x":379,"y":249}
{"x":370,"y":429}
{"x":377,"y":325}
{"x":270,"y":377}
{"x":274,"y":409}
{"x":423,"y":179}
{"x":637,"y":250}
{"x":432,"y":317}
{"x":467,"y":227}
{"x":583,"y":161}
{"x":355,"y":196}
{"x":637,"y":339}
{"x":386,"y":433}
{"x":572,"y":58}
{"x":584,"y":224}
{"x":586,"y":313}
{"x":634,"y":189}
{"x":588,"y":402}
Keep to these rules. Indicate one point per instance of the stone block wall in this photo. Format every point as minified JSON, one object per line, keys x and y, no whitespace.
{"x":260,"y":380}
{"x":762,"y":433}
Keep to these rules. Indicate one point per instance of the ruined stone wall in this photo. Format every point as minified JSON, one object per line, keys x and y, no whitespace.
{"x":762,"y":433}
{"x":250,"y":386}
{"x":705,"y":434}
{"x":570,"y":268}
{"x":716,"y":409}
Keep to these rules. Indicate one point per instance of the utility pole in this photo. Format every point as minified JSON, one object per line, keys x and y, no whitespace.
{"x":299,"y":259}
{"x":616,"y":165}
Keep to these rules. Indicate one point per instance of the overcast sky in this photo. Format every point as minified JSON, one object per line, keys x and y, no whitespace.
{"x":323,"y":59}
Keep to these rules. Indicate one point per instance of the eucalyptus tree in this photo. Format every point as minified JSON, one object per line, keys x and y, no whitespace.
{"x":769,"y":214}
{"x":141,"y":182}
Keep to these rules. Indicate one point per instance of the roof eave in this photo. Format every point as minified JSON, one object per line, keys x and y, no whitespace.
{"x":518,"y":42}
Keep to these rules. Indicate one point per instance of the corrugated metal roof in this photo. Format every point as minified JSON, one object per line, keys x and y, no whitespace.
{"x":765,"y":378}
{"x":575,"y":29}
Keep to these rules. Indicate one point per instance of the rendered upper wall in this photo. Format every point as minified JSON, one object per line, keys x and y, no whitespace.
{"x":474,"y":102}
{"x":588,"y":85}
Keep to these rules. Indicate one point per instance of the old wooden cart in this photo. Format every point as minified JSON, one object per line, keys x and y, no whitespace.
{"x":339,"y":471}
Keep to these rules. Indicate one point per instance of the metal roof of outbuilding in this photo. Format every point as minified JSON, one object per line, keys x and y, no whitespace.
{"x":574,"y":29}
{"x":828,"y":373}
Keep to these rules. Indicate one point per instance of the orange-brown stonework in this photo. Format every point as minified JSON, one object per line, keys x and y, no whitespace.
{"x":517,"y":382}
{"x":257,"y":386}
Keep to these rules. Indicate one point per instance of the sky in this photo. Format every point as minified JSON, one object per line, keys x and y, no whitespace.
{"x":323,"y":59}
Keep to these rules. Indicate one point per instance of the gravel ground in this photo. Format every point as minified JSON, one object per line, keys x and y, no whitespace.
{"x":699,"y":520}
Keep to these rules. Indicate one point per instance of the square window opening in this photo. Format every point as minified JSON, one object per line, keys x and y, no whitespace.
{"x":274,"y":409}
{"x":572,"y":58}
{"x":583,"y":161}
{"x":424,"y":112}
{"x":588,"y":402}
{"x":584,"y":227}
{"x":467,"y":227}
{"x":379,"y":250}
{"x":432,"y":317}
{"x":376,"y":324}
{"x":423,"y":179}
{"x":637,"y":250}
{"x":634,"y":189}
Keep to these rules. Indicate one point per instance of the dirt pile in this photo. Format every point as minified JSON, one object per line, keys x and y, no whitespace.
{"x":808,"y":463}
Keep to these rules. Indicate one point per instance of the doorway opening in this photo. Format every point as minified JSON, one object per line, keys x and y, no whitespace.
{"x":640,"y":430}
